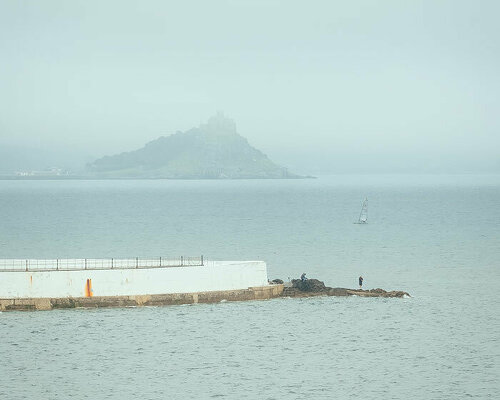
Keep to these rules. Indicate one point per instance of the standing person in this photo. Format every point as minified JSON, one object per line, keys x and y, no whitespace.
{"x":303,"y":277}
{"x":360,"y":282}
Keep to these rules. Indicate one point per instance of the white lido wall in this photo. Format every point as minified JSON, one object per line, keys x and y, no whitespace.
{"x":216,"y":275}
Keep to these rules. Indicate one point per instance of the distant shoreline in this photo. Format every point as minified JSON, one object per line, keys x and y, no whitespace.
{"x":97,"y":178}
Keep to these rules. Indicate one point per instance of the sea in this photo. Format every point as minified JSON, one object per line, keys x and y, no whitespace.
{"x":436,"y":237}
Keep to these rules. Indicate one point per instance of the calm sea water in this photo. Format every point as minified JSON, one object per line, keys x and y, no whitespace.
{"x":437,"y":237}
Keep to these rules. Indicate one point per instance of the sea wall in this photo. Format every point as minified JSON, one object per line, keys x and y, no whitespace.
{"x":32,"y":304}
{"x":212,"y":277}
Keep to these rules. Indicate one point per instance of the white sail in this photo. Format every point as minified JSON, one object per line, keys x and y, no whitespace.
{"x":363,"y":215}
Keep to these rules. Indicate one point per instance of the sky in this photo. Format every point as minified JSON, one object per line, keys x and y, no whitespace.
{"x":319,"y":86}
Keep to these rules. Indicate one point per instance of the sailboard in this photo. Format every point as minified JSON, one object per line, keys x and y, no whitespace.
{"x":363,"y":215}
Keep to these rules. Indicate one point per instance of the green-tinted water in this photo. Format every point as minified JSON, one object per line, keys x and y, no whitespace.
{"x":435,"y":237}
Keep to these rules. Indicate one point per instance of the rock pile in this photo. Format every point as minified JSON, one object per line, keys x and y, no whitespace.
{"x":315,"y":287}
{"x":309,"y":285}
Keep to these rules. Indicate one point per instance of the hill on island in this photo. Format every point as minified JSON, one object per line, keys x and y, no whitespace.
{"x":212,"y":151}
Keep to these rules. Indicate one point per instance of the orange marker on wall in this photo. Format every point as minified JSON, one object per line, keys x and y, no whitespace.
{"x":88,"y":288}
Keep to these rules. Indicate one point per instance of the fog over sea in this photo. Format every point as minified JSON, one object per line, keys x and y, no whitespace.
{"x":436,"y":237}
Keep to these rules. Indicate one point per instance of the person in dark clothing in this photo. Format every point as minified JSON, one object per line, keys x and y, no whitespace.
{"x":303,"y":277}
{"x":360,"y":282}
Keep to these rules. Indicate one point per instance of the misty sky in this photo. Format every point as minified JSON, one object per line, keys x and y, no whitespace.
{"x":320,"y":86}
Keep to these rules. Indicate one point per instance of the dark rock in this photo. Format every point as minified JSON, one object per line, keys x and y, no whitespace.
{"x":396,"y":293}
{"x":277,"y":281}
{"x":378,"y":290}
{"x":376,"y":293}
{"x":338,"y":292}
{"x":315,"y":287}
{"x":294,"y":292}
{"x":309,"y":285}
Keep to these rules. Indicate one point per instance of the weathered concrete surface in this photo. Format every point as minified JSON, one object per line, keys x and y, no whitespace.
{"x":253,"y":293}
{"x":314,"y":287}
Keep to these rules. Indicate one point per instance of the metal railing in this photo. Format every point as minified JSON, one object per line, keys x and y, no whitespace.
{"x":78,"y":264}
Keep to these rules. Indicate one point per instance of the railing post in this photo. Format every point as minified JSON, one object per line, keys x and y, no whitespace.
{"x":57,"y":264}
{"x":85,"y":263}
{"x":182,"y":261}
{"x":137,"y":262}
{"x":26,"y":265}
{"x":202,"y":259}
{"x":160,"y":261}
{"x":111,"y":263}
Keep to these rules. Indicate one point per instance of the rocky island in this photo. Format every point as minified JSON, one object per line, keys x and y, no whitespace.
{"x":315,"y":287}
{"x":213,"y":150}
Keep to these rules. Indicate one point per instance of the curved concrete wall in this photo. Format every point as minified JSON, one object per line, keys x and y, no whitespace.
{"x":215,"y":276}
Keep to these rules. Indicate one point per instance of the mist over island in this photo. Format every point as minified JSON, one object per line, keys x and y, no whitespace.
{"x":214,"y":150}
{"x":333,"y":232}
{"x":394,"y":89}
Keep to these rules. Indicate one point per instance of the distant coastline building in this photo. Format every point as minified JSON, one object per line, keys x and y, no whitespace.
{"x":53,"y":171}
